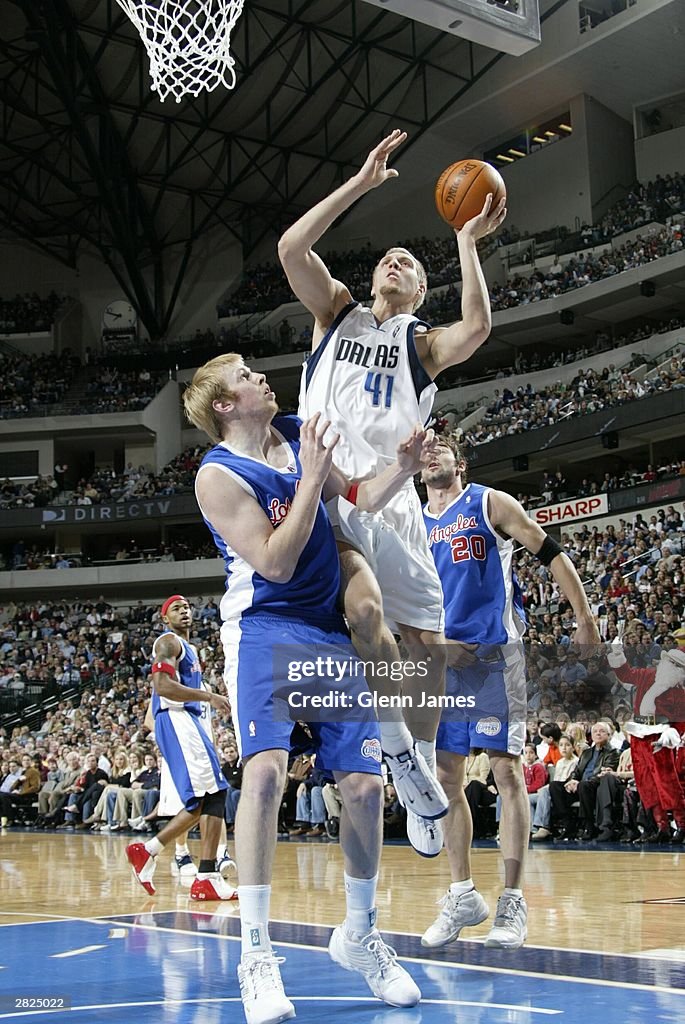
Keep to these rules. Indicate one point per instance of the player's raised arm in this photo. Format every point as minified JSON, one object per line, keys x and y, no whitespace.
{"x":308,"y":275}
{"x":239,"y":519}
{"x":508,"y":516}
{"x":448,"y":346}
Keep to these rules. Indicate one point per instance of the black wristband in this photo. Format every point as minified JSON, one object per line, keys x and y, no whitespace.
{"x":549,"y":550}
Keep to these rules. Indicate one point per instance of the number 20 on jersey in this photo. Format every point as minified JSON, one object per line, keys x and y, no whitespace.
{"x":464,"y":548}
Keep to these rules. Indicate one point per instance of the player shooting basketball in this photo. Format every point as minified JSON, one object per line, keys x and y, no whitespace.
{"x":371,"y":374}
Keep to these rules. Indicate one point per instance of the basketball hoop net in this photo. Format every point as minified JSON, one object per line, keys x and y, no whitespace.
{"x":188,"y":43}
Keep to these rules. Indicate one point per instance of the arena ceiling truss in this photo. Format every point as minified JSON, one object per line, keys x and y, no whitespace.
{"x":91,"y":160}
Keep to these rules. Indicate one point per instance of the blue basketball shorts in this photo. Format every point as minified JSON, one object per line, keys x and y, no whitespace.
{"x":496,"y":717}
{"x":190,"y":763}
{"x":273,"y":667}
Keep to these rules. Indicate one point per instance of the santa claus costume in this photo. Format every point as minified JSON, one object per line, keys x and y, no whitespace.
{"x":659,"y":749}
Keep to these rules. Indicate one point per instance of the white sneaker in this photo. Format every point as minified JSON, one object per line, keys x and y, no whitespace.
{"x":377,"y":963}
{"x":416,"y":786}
{"x":183,"y":865}
{"x":261,"y":989}
{"x":225,"y":866}
{"x":459,"y":910}
{"x":425,"y":836}
{"x":134,"y":822}
{"x":510,"y":927}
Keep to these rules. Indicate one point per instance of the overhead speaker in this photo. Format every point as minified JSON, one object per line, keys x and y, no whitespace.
{"x":648,"y":289}
{"x":610,"y":439}
{"x":520,"y":463}
{"x":566,"y":317}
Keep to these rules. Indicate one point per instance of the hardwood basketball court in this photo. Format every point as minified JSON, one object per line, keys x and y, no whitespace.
{"x":606,"y":938}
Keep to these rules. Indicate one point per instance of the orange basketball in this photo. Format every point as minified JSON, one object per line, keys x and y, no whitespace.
{"x":460,"y":190}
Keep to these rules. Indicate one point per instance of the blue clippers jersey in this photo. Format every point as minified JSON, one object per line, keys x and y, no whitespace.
{"x":188,"y":673}
{"x":482,"y":596}
{"x":311,"y":595}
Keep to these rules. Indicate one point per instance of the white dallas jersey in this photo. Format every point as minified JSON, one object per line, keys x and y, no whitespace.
{"x":367,"y":379}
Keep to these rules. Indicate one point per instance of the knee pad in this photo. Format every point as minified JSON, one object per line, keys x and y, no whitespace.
{"x":214,"y":804}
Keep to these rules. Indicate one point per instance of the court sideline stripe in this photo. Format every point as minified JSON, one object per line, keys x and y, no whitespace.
{"x":417,"y":960}
{"x":439,"y":963}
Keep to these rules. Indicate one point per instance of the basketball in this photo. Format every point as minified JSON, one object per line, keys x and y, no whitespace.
{"x":461,"y":189}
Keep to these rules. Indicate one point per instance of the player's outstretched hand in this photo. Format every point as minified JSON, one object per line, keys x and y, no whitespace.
{"x":220,"y":703}
{"x":416,"y":449}
{"x":375,"y":169}
{"x":487,"y":221}
{"x":316,"y":458}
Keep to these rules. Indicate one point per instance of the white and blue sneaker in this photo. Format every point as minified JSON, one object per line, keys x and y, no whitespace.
{"x":183,"y":866}
{"x":261,"y":989}
{"x":225,"y":866}
{"x":425,"y":836}
{"x":417,"y":787}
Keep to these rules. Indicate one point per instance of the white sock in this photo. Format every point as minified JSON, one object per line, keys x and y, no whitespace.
{"x":459,"y":888}
{"x":395,"y":738}
{"x":360,"y":897}
{"x":517,"y":893}
{"x":221,"y":851}
{"x":427,"y":748}
{"x":154,"y":847}
{"x":254,"y":918}
{"x":182,"y":850}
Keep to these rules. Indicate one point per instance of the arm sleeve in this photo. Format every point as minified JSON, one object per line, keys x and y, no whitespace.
{"x":634,"y":676}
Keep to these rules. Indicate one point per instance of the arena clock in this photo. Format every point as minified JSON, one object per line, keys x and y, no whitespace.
{"x":119,"y":315}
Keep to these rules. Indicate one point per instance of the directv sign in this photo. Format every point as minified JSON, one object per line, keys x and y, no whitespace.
{"x":107,"y":513}
{"x":82,"y":515}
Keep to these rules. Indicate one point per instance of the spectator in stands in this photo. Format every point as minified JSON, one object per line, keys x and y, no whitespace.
{"x":21,"y":791}
{"x":233,"y":773}
{"x":85,"y":792}
{"x":479,"y":789}
{"x":535,"y":777}
{"x":143,"y":795}
{"x":582,"y":785}
{"x":610,"y":793}
{"x":560,"y":772}
{"x":310,"y":813}
{"x":394,"y":815}
{"x":50,"y":802}
{"x":333,"y":801}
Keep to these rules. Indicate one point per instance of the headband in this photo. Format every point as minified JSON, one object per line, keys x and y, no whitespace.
{"x":169,"y":601}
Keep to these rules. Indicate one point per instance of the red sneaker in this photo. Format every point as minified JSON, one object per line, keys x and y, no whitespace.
{"x":212,"y":887}
{"x":143,"y":865}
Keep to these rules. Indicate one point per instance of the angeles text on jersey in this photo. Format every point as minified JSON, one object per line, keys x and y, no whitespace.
{"x":445,"y":533}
